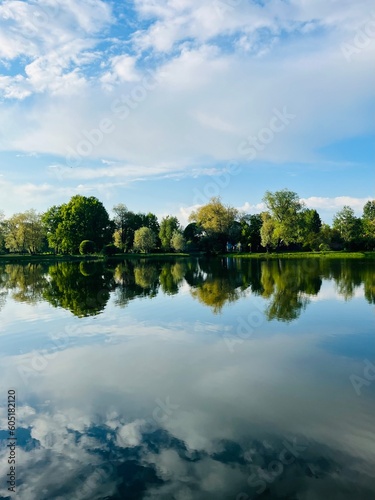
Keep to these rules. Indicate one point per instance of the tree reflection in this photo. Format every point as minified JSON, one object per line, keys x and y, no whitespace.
{"x":217,"y":282}
{"x":82,"y":288}
{"x":135,"y":279}
{"x":171,"y":276}
{"x":26,"y":281}
{"x":287,"y":285}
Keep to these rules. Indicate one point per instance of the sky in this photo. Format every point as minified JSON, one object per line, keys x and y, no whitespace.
{"x":161,"y":105}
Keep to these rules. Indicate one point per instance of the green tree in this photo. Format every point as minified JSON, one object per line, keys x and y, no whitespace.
{"x":216,"y":220}
{"x":178,"y":242}
{"x":250,"y":232}
{"x":24,"y":232}
{"x":167,"y":227}
{"x":368,"y":225}
{"x":144,"y":239}
{"x":267,"y":231}
{"x":51,"y":220}
{"x":348,"y":226}
{"x":285,"y":208}
{"x":309,"y":231}
{"x":83,"y":219}
{"x":121,"y":222}
{"x":86,"y":247}
{"x":2,"y":232}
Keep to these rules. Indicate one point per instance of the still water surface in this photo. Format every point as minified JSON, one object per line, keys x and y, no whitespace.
{"x":190,"y":379}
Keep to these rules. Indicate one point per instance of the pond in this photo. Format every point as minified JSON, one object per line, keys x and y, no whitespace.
{"x":188,"y":379}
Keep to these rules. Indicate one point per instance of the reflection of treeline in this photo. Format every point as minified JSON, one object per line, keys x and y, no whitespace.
{"x":84,"y":288}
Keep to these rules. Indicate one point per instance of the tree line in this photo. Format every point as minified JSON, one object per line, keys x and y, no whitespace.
{"x":84,"y":226}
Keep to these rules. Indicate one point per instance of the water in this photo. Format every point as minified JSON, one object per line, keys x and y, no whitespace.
{"x":189,"y":379}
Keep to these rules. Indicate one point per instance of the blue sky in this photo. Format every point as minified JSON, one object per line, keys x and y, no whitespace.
{"x":160,"y":105}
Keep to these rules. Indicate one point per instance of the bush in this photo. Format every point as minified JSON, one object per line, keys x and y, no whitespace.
{"x":86,"y":247}
{"x":110,"y":249}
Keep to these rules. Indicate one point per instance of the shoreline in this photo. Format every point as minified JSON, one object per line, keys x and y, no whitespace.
{"x":14,"y":258}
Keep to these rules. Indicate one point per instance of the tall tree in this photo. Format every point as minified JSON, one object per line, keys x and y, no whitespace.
{"x":368,"y":224}
{"x":83,"y":219}
{"x":2,"y":235}
{"x":51,"y":220}
{"x":178,"y":242}
{"x":284,"y":207}
{"x":250,"y":232}
{"x":348,"y":225}
{"x":144,"y":239}
{"x":267,"y":231}
{"x":216,"y":220}
{"x":309,"y":230}
{"x":24,"y":232}
{"x":168,"y":226}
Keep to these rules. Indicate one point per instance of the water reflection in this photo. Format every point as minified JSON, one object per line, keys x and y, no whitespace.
{"x":287,"y":286}
{"x":143,"y":401}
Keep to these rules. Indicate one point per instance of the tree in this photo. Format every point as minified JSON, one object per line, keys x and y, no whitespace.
{"x":368,"y":224}
{"x":310,"y":225}
{"x":24,"y":232}
{"x":250,"y":232}
{"x":216,"y":220}
{"x":121,"y":225}
{"x":83,"y":219}
{"x":151,"y":221}
{"x":348,"y":225}
{"x":144,"y":239}
{"x":51,"y":220}
{"x":178,"y":242}
{"x":193,"y":235}
{"x":2,"y":235}
{"x":267,"y":231}
{"x":284,"y":207}
{"x":168,"y":226}
{"x":86,"y":247}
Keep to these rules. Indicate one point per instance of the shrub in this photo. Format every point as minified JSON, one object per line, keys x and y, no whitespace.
{"x":86,"y":247}
{"x":110,"y":249}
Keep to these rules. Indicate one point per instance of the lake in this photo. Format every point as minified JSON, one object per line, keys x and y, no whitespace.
{"x":189,"y":379}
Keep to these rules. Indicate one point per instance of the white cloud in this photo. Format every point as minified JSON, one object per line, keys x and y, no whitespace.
{"x":336,"y":202}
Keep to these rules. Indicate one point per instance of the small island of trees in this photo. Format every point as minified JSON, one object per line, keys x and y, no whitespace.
{"x":83,"y":226}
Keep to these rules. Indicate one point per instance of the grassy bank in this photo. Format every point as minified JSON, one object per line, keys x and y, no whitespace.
{"x":15,"y":258}
{"x":305,"y":255}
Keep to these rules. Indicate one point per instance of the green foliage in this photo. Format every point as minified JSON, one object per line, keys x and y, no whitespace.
{"x":168,"y":226}
{"x":2,"y":232}
{"x":83,"y":219}
{"x":127,"y":223}
{"x":284,"y":207}
{"x":267,"y":232}
{"x":348,"y":226}
{"x":250,"y":232}
{"x":110,"y":249}
{"x":51,"y":220}
{"x":144,"y":239}
{"x":368,"y":225}
{"x":217,"y":222}
{"x":178,"y":242}
{"x":24,"y":232}
{"x":87,"y":247}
